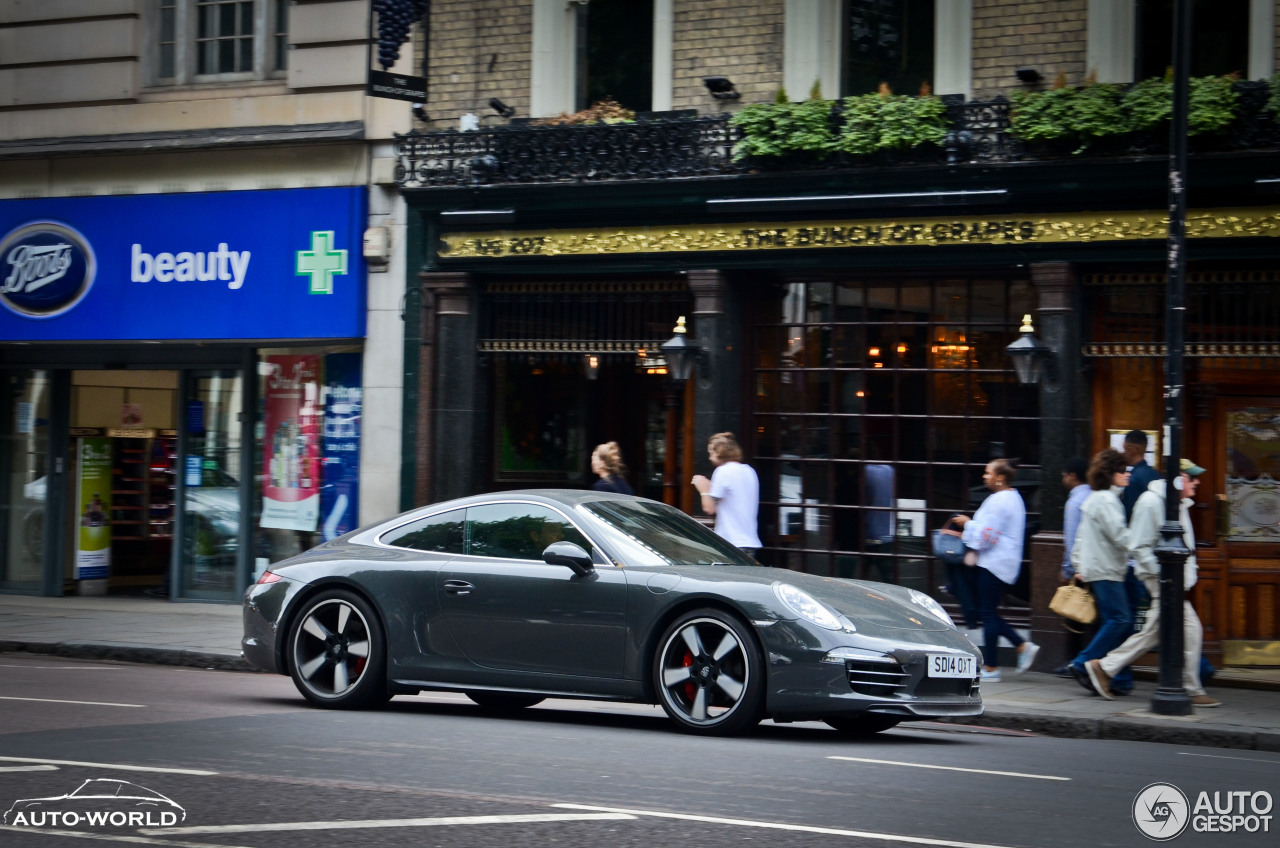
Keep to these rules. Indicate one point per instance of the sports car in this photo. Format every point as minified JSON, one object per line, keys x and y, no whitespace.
{"x":518,"y":596}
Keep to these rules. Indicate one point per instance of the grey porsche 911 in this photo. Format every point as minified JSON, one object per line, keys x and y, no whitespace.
{"x":514,"y":597}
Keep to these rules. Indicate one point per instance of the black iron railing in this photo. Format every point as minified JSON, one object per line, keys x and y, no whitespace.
{"x":704,"y":146}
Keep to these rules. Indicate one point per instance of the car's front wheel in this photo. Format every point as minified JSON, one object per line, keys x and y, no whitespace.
{"x":337,"y":654}
{"x":863,"y":725}
{"x":709,"y":674}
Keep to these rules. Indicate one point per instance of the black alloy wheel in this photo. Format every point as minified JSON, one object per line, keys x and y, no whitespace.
{"x":709,"y":674}
{"x":337,"y":655}
{"x":864,"y":724}
{"x":504,"y":702}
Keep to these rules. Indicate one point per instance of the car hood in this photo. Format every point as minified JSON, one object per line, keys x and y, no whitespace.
{"x":878,"y":605}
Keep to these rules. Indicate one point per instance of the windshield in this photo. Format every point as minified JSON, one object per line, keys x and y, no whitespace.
{"x":648,"y":533}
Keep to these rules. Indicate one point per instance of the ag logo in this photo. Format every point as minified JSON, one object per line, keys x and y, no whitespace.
{"x":45,"y":269}
{"x":1161,"y":812}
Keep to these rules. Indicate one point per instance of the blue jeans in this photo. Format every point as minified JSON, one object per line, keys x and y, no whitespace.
{"x":1115,"y":621}
{"x":962,"y":582}
{"x":990,"y":593}
{"x":1136,"y":594}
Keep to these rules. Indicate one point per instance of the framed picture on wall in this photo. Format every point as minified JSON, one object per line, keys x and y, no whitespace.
{"x":1115,"y":439}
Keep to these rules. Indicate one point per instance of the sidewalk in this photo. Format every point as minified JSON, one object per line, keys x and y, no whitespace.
{"x":149,"y":630}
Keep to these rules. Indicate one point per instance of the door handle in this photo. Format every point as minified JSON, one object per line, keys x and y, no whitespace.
{"x":457,"y":587}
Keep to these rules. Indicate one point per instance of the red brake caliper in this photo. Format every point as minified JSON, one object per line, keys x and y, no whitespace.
{"x":690,"y":688}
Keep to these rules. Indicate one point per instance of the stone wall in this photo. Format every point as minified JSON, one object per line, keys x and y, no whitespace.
{"x":479,"y":49}
{"x":1010,"y":34}
{"x":741,"y":41}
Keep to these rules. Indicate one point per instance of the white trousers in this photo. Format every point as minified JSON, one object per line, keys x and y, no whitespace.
{"x":1149,"y":637}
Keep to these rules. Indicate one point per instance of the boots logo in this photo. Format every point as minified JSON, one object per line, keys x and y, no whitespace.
{"x":98,"y":803}
{"x":45,"y":269}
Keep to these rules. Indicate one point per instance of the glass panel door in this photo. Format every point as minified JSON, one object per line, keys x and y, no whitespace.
{"x":24,"y":469}
{"x":212,"y":509}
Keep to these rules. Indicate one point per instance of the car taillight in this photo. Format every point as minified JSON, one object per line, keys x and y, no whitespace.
{"x":268,"y":577}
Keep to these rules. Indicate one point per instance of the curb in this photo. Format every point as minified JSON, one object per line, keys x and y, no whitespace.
{"x":1126,"y":728}
{"x":145,"y":654}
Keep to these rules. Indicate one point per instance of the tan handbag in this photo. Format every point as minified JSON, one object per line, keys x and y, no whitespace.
{"x":1074,"y":603}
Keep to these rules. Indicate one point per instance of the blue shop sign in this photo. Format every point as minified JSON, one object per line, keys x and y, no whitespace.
{"x":264,"y":265}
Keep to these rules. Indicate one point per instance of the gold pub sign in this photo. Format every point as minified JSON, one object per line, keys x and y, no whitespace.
{"x":1015,"y":229}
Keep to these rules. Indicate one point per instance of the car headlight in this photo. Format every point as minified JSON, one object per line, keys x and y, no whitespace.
{"x":806,"y":606}
{"x":918,"y":597}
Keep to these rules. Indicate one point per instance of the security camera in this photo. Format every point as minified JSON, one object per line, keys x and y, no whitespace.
{"x":420,"y":112}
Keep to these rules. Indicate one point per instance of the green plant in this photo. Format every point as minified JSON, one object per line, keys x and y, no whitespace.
{"x":777,"y":129}
{"x":1212,"y":105}
{"x":1273,"y":102}
{"x":875,"y":122}
{"x":1078,"y":115}
{"x":1148,"y":104}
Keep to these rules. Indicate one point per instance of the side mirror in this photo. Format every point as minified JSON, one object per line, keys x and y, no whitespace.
{"x":567,"y":553}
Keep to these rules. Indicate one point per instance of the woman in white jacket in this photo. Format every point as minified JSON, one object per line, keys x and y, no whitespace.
{"x":1101,"y":558}
{"x":996,"y":532}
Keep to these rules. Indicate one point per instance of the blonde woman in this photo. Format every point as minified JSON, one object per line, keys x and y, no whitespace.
{"x":606,"y":462}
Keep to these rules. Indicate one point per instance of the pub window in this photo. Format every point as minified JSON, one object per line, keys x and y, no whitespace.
{"x":615,"y":53}
{"x":878,"y":402}
{"x":890,"y":42}
{"x":219,"y":40}
{"x":1219,"y":41}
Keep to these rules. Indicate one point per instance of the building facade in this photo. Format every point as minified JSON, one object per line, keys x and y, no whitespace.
{"x":202,"y":360}
{"x":852,"y":311}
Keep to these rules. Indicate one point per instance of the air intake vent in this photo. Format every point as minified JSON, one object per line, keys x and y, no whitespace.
{"x":878,"y":679}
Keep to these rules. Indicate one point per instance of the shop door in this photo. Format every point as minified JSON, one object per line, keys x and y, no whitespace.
{"x":1251,"y":519}
{"x":24,"y":468}
{"x":212,"y":456}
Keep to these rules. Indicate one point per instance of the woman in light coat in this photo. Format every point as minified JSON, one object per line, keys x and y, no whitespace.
{"x":1101,"y":558}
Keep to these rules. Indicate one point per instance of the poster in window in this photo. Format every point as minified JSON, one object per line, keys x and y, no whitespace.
{"x":343,"y":402}
{"x":291,"y":443}
{"x":93,"y":499}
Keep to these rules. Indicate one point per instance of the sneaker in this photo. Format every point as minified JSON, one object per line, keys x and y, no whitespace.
{"x":1100,"y":679}
{"x":1063,"y":670}
{"x":1027,"y":656}
{"x":1200,"y":700}
{"x":991,"y":676}
{"x":1082,"y":677}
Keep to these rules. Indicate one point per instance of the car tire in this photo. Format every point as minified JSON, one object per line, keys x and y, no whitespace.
{"x":864,"y":724}
{"x":337,"y":653}
{"x":709,"y":674}
{"x":504,"y":702}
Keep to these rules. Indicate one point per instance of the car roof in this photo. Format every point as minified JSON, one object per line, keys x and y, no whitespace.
{"x":563,"y":497}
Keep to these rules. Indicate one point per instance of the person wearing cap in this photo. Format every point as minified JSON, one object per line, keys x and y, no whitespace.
{"x":1144,"y":529}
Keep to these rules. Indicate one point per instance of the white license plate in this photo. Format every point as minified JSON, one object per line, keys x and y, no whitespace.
{"x":952,"y":665}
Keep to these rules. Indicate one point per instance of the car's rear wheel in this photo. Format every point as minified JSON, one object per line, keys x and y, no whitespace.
{"x":863,"y":725}
{"x":709,"y":674}
{"x":337,"y":654}
{"x":504,"y":702}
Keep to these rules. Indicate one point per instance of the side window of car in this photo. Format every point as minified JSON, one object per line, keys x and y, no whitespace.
{"x":518,"y":531}
{"x":441,"y":533}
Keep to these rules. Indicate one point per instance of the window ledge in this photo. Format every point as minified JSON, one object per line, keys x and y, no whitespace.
{"x":213,"y":90}
{"x":337,"y":131}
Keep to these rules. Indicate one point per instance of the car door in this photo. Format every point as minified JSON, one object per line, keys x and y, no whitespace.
{"x":508,"y":610}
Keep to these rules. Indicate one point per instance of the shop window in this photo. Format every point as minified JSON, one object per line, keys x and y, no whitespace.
{"x":219,"y":40}
{"x":1219,"y":42}
{"x":887,"y":42}
{"x":878,"y":403}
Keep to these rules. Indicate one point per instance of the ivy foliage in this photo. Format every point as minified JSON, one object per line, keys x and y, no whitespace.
{"x":1273,"y":102}
{"x":858,"y":125}
{"x":1082,"y":116}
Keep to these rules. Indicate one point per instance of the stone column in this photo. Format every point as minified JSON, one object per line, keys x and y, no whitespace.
{"x":1064,"y":417}
{"x":453,"y":408}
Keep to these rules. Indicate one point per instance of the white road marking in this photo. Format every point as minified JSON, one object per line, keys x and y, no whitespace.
{"x":532,"y":818}
{"x":950,"y":768}
{"x":797,"y":828}
{"x":114,"y":837}
{"x":56,"y":701}
{"x":1220,"y":757}
{"x":116,"y":766}
{"x":29,"y":768}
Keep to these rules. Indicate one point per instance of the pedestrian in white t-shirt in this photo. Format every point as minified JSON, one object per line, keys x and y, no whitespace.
{"x":732,"y":494}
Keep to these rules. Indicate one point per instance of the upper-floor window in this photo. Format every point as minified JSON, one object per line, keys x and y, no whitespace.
{"x":615,"y":53}
{"x":887,"y":41}
{"x":220,"y":40}
{"x":1219,"y":40}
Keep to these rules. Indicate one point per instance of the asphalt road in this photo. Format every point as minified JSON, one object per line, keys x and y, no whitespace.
{"x":251,"y":765}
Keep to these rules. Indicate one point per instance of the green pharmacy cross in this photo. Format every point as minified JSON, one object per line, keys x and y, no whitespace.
{"x":322,"y":262}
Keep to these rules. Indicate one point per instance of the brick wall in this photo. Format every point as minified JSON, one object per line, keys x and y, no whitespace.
{"x":479,"y":49}
{"x":741,"y":41}
{"x":1009,"y":34}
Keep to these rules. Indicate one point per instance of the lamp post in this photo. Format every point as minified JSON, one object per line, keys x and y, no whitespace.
{"x":681,"y":355}
{"x":1170,"y":698}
